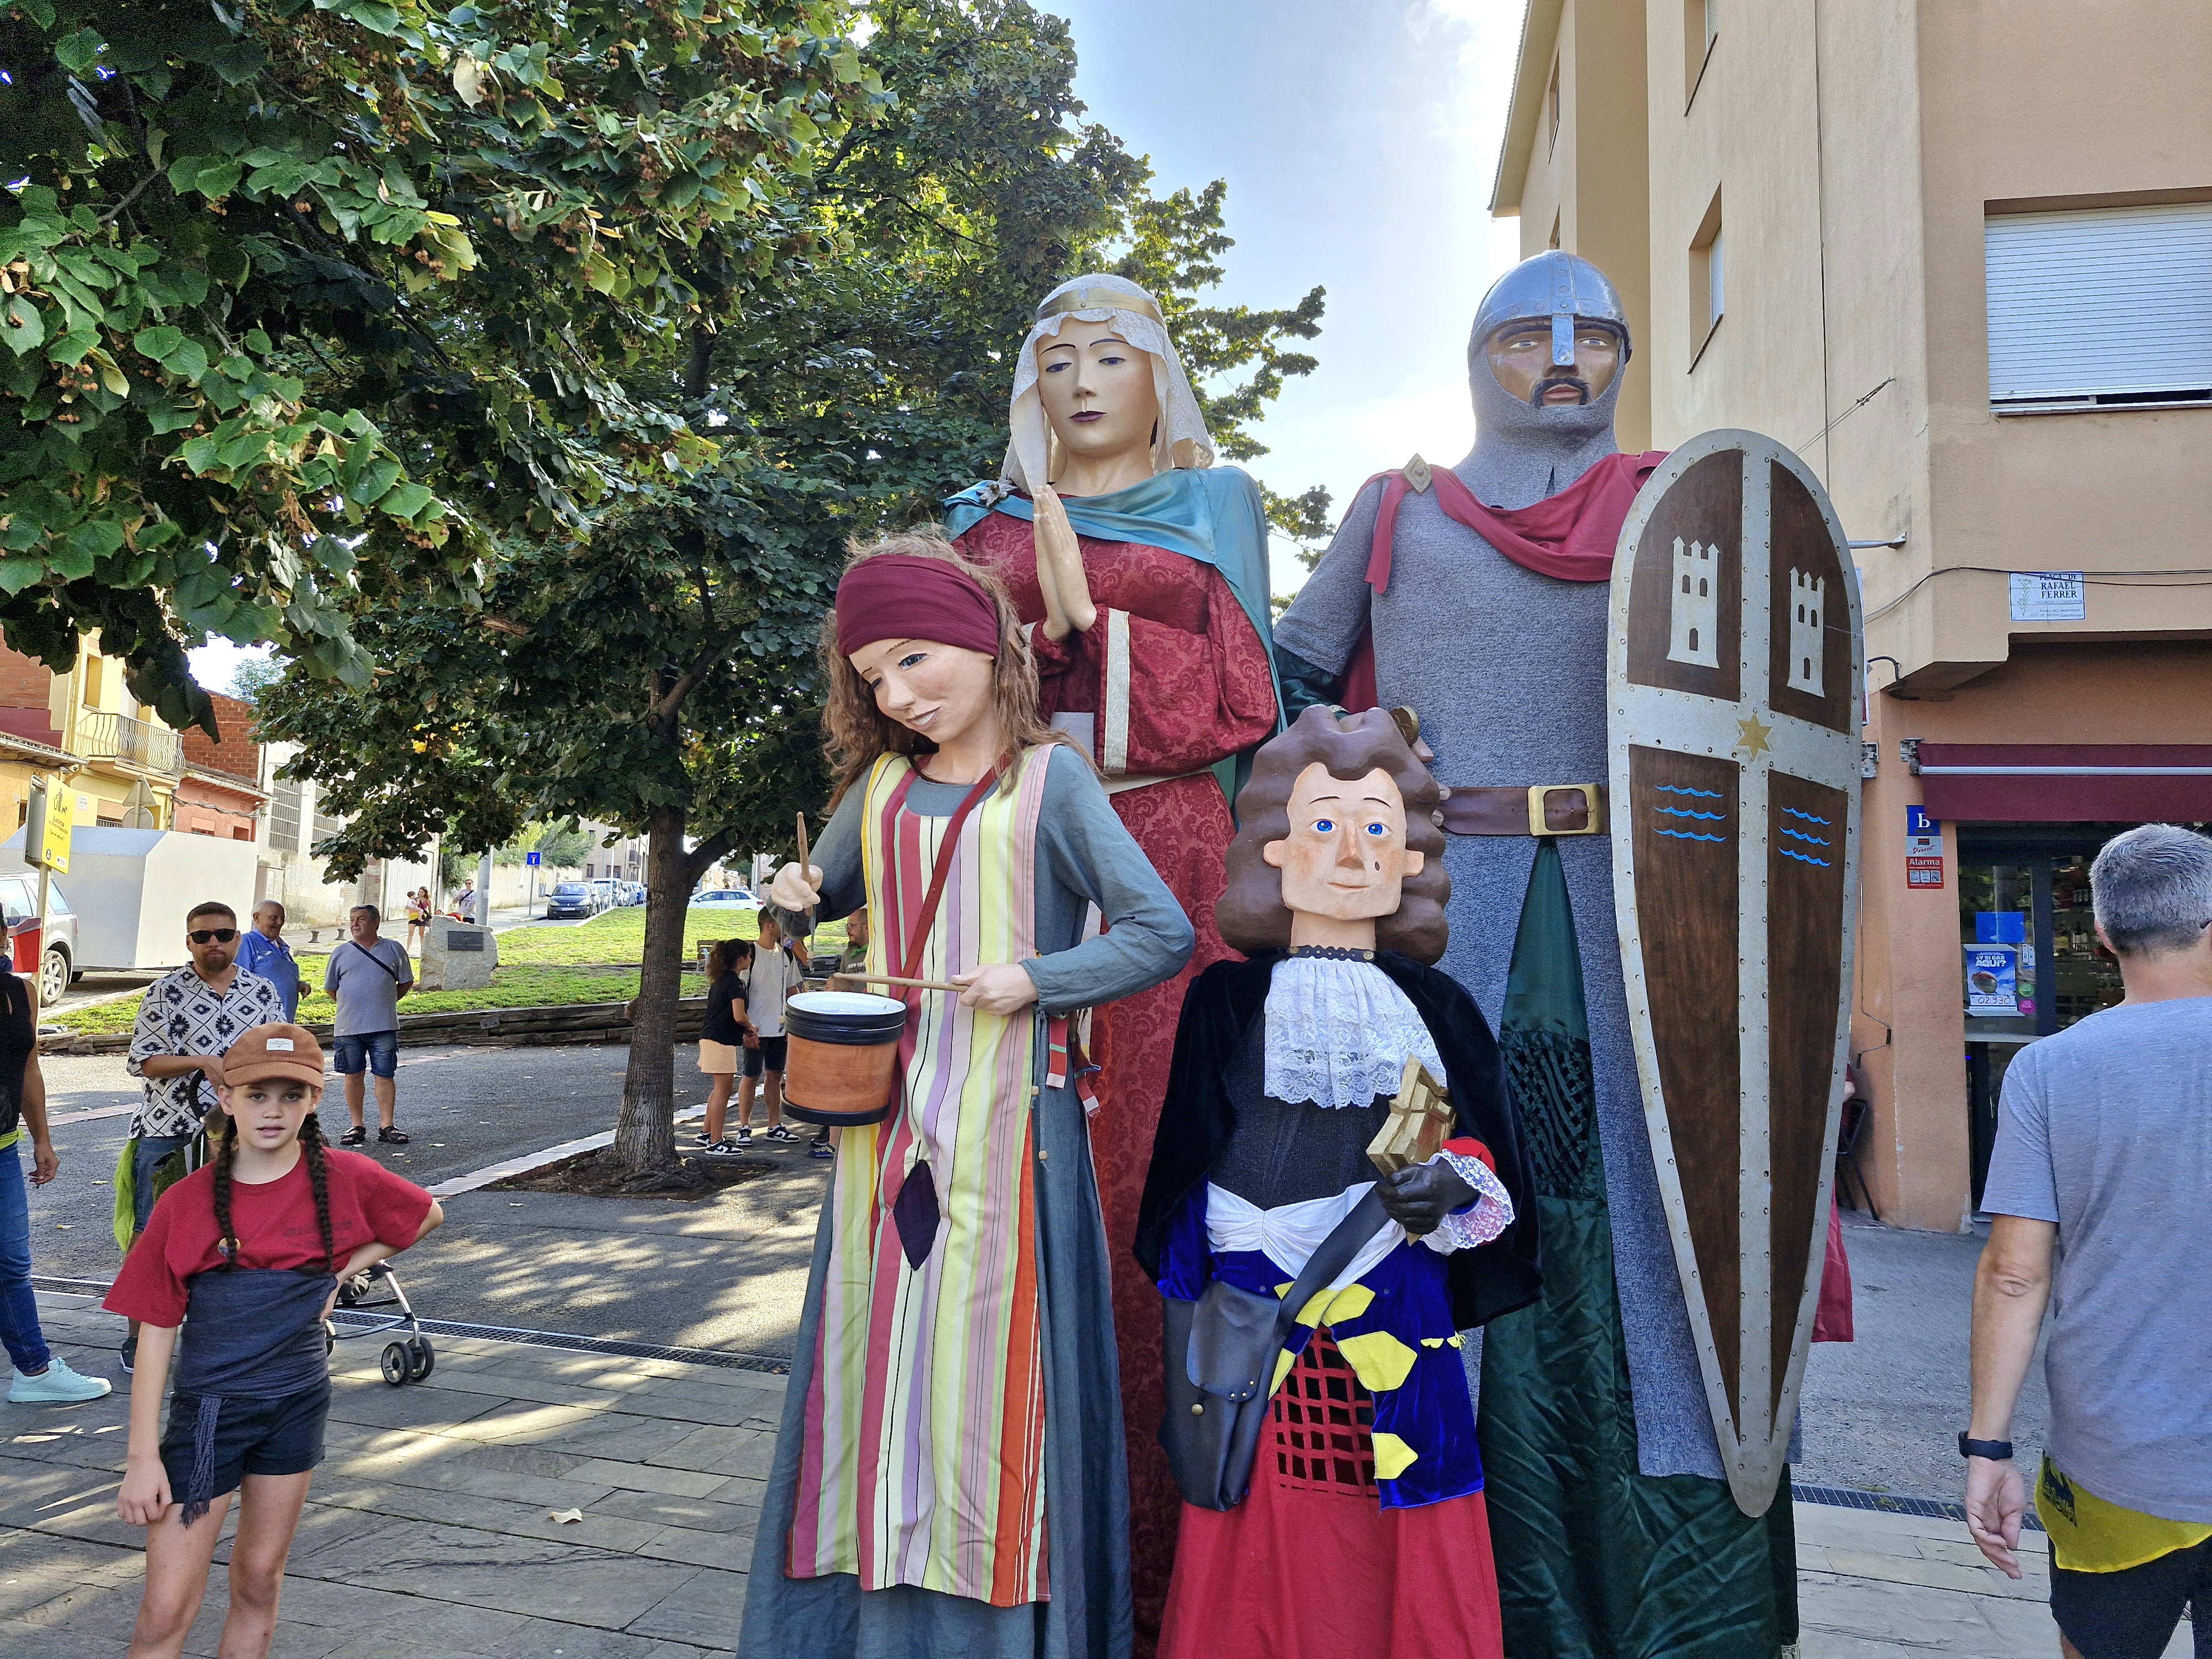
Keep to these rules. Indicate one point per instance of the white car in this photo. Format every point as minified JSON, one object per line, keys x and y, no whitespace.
{"x":737,"y":897}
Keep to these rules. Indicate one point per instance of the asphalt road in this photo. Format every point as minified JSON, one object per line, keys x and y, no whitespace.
{"x":728,"y":1272}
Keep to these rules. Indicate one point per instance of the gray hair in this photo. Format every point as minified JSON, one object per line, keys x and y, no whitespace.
{"x":2153,"y":889}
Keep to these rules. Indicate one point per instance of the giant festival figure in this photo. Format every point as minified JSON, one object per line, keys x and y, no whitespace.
{"x":1140,"y":571}
{"x":950,"y":1475}
{"x":1478,"y":597}
{"x":1352,"y":1521}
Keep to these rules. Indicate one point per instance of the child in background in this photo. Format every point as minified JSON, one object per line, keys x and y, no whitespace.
{"x":246,"y":1254}
{"x":722,"y":1035}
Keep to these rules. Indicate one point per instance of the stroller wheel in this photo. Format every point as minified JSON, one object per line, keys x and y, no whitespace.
{"x":424,"y":1361}
{"x":397,"y":1364}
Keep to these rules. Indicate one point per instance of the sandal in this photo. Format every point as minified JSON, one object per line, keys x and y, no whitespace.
{"x":353,"y":1137}
{"x":391,"y":1137}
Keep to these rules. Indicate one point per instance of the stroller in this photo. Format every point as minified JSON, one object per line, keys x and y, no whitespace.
{"x":406,"y":1361}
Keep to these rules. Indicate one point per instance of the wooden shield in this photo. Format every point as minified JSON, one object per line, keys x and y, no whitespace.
{"x":1733,"y":678}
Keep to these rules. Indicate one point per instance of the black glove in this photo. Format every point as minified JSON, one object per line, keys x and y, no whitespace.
{"x":1418,"y":1199}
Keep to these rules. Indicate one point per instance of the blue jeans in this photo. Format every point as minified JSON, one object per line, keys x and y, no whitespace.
{"x":19,"y":1309}
{"x":376,"y":1051}
{"x":148,"y":1156}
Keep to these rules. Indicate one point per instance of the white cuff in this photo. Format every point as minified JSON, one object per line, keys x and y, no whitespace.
{"x":1489,"y":1214}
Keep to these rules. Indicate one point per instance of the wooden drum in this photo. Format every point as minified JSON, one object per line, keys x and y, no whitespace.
{"x":842,"y":1067}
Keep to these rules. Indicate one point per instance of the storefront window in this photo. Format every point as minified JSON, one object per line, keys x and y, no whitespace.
{"x":2088,"y":979}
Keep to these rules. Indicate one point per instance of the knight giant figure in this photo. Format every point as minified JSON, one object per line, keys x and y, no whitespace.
{"x":1480,"y":598}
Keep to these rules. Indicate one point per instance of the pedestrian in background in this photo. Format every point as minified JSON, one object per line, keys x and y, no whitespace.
{"x":2100,"y":1182}
{"x":722,"y":1035}
{"x":418,"y":917}
{"x":262,"y":949}
{"x":185,"y":1020}
{"x":776,"y":974}
{"x":464,"y":902}
{"x":368,"y":975}
{"x":42,"y":1376}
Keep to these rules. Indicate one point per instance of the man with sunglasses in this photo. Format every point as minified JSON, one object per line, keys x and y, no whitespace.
{"x":185,"y":1021}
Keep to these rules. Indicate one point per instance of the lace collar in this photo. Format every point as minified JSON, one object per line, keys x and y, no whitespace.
{"x":1338,"y":1031}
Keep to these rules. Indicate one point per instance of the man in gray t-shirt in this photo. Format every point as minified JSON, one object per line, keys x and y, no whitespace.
{"x":368,"y":975}
{"x":2100,"y":1184}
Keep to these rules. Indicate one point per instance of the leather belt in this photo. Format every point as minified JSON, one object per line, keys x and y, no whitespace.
{"x":1538,"y":809}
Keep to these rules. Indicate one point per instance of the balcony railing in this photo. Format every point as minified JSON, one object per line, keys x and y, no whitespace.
{"x":118,"y":737}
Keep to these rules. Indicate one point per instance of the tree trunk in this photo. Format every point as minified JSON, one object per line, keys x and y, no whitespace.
{"x":645,"y":1134}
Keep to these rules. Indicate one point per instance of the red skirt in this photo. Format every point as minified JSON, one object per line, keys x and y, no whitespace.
{"x":1309,"y":1566}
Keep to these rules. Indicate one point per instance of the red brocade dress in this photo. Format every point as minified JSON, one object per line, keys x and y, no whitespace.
{"x":1175,"y":678}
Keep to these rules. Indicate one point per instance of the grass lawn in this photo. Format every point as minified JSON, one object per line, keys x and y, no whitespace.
{"x":538,"y":967}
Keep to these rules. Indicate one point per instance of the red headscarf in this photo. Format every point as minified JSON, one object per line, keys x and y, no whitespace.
{"x":903,"y":596}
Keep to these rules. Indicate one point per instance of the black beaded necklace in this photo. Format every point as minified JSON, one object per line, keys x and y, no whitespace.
{"x":1331,"y":952}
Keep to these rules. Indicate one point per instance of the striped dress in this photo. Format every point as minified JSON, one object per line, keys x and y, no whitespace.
{"x":951,"y":1477}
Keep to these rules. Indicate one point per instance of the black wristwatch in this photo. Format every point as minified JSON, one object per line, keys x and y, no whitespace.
{"x":1997,"y":1451}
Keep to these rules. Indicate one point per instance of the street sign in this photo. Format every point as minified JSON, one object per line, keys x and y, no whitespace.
{"x":533,"y":858}
{"x":46,"y":830}
{"x":1733,"y":677}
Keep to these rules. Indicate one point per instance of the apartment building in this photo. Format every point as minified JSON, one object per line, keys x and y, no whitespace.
{"x":1959,"y":256}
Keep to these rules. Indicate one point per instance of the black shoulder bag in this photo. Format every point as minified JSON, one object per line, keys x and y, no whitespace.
{"x":1220,"y":1352}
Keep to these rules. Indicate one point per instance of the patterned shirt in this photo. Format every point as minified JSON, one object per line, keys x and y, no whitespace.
{"x":183,"y":1014}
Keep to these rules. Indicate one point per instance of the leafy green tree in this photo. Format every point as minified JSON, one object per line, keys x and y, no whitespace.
{"x":306,"y":304}
{"x":661,"y":677}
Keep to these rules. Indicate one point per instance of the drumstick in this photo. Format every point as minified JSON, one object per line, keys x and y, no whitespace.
{"x":893,"y":979}
{"x":805,"y":869}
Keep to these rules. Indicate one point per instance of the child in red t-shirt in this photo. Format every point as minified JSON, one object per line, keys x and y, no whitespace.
{"x":245,"y":1256}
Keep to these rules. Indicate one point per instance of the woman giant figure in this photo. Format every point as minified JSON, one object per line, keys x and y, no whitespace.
{"x":1140,"y":570}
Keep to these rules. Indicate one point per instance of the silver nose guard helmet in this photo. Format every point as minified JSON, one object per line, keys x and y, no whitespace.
{"x":1553,"y":284}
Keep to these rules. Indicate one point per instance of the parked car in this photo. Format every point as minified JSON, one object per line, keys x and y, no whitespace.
{"x":633,"y":893}
{"x":19,"y":903}
{"x":608,"y":889}
{"x":572,"y":898}
{"x":741,"y":897}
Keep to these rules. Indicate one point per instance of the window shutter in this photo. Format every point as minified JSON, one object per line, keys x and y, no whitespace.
{"x":2101,"y":302}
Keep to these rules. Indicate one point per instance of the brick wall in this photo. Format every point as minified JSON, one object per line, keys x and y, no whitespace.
{"x":237,"y":754}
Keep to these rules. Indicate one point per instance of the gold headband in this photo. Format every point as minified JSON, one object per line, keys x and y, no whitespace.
{"x":1099,"y":299}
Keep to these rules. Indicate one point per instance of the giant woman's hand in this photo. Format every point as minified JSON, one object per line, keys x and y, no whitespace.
{"x":1059,"y":569}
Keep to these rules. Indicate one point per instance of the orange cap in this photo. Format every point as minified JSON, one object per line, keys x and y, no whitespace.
{"x":285,"y":1051}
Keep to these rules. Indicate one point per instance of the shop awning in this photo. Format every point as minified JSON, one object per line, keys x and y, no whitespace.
{"x":2067,"y":783}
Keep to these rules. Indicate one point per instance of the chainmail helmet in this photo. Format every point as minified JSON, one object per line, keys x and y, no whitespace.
{"x":1553,"y":284}
{"x":1525,"y":452}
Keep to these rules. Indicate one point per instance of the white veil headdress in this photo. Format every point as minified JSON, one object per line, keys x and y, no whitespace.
{"x":1180,"y":439}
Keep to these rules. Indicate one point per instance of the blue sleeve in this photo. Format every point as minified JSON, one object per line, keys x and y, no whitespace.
{"x":1186,"y":1253}
{"x":2022,"y":1180}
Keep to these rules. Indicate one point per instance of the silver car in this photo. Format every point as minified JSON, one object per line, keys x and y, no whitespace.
{"x":19,"y":905}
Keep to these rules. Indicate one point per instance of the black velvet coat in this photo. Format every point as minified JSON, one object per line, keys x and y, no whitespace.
{"x":1199,"y":1116}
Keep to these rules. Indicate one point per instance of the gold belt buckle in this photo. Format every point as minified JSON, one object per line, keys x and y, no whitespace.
{"x":1592,"y":794}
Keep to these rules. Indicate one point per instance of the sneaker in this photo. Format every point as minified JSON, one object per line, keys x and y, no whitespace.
{"x":129,"y":1355}
{"x":57,"y":1385}
{"x":699,"y":1140}
{"x":744,"y":1139}
{"x":821,"y":1149}
{"x":779,"y":1135}
{"x":723,"y":1148}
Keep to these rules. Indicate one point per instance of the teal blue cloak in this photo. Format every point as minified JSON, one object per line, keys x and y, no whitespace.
{"x":1212,"y":514}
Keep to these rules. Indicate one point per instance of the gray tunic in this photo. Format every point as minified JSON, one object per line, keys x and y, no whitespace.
{"x":1506,"y":668}
{"x":1084,"y":857}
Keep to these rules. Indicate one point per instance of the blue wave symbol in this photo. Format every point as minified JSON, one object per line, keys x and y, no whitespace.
{"x":1687,"y":834}
{"x":1692,"y":812}
{"x":1701,"y":795}
{"x":1800,"y":857}
{"x":1799,"y":835}
{"x":1792,"y":812}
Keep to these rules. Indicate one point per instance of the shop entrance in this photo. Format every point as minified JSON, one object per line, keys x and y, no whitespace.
{"x":2030,"y":960}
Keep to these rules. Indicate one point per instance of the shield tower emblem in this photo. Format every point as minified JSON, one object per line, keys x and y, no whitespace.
{"x":1734,"y":679}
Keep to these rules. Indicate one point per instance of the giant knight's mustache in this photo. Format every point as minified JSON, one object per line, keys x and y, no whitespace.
{"x":1576,"y":381}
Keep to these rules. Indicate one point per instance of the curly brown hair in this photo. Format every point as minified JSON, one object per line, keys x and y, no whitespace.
{"x":1251,"y":914}
{"x":856,"y":733}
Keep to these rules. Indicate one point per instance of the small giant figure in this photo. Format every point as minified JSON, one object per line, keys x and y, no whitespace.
{"x":1480,"y":598}
{"x":1363,"y":1531}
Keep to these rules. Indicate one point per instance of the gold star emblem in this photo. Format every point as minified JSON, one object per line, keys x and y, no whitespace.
{"x":1753,"y":740}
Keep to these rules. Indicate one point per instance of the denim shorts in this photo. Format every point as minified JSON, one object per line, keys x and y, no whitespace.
{"x":375,"y":1051}
{"x":148,"y":1156}
{"x":251,"y":1436}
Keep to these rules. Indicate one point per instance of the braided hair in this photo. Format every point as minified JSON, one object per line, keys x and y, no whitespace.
{"x":318,"y":1182}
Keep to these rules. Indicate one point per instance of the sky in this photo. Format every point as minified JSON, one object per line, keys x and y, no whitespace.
{"x":1359,"y":139}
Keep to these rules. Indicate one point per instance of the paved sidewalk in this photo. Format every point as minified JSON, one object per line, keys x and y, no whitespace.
{"x":428,"y":1532}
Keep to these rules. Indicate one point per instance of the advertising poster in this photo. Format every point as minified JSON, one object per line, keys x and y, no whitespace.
{"x":1992,"y":979}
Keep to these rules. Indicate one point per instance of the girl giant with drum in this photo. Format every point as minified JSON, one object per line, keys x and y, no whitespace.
{"x":951,"y":1476}
{"x":1140,"y":569}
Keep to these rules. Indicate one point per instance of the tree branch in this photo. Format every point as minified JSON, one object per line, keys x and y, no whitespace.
{"x":665,"y":707}
{"x":706,"y":853}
